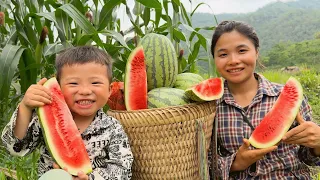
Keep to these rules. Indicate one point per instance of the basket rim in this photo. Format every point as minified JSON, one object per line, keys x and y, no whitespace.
{"x":162,"y":108}
{"x":165,"y":115}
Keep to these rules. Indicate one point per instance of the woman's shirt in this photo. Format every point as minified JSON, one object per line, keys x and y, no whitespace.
{"x":105,"y":140}
{"x":286,"y":162}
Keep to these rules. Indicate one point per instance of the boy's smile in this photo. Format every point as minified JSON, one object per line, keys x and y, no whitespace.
{"x":85,"y":88}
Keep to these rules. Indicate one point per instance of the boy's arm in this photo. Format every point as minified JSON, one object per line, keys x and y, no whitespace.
{"x":118,"y":165}
{"x":23,"y":119}
{"x":29,"y":141}
{"x":36,"y":95}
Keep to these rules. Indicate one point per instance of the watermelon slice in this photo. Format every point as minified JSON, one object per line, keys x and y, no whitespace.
{"x":207,"y":90}
{"x":279,"y":119}
{"x":61,"y":133}
{"x":135,"y":83}
{"x":116,"y":99}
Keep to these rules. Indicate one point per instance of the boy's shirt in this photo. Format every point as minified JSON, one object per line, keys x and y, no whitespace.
{"x":106,"y":143}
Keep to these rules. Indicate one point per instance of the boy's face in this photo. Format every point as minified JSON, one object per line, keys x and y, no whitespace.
{"x":85,"y":88}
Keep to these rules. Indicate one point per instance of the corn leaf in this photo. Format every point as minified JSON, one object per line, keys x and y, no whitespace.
{"x":150,"y":3}
{"x":79,"y":18}
{"x":9,"y":60}
{"x":106,"y":13}
{"x":51,"y":17}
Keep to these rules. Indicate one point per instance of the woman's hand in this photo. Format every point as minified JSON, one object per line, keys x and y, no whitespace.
{"x":245,"y":157}
{"x":306,"y":134}
{"x":81,"y":175}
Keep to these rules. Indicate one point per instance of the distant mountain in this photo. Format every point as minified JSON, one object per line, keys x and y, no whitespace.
{"x":276,"y":22}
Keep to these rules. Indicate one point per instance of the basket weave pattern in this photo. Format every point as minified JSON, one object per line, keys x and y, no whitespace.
{"x":164,"y":140}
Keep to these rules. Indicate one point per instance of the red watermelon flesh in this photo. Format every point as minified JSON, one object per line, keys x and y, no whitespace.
{"x":116,"y":99}
{"x":281,"y":116}
{"x":135,"y":84}
{"x":61,"y":134}
{"x":207,"y":90}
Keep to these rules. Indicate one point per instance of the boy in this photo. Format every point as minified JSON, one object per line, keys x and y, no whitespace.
{"x":84,"y":74}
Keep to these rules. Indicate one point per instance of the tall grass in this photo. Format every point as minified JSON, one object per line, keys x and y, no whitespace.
{"x":276,"y":76}
{"x":26,"y":168}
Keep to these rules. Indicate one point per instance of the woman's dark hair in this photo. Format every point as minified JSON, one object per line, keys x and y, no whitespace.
{"x":241,"y":27}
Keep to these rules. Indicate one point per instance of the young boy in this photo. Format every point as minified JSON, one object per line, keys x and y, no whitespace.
{"x":84,"y":74}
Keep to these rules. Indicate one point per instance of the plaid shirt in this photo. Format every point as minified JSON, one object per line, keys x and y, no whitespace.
{"x":286,"y":162}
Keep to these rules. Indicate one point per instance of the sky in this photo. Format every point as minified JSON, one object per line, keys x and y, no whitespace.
{"x":229,"y":6}
{"x":211,"y":6}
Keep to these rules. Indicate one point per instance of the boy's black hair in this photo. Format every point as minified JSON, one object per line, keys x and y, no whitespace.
{"x":82,"y":55}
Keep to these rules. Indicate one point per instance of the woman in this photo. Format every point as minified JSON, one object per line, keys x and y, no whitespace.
{"x":247,"y":98}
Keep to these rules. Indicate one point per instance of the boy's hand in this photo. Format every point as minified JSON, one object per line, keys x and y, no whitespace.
{"x":246,"y":157}
{"x":81,"y":175}
{"x":36,"y":96}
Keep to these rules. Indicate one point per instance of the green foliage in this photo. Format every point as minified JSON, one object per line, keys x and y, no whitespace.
{"x":276,"y":76}
{"x":310,"y":82}
{"x":317,"y":35}
{"x":25,"y":167}
{"x":28,"y":52}
{"x":290,"y":54}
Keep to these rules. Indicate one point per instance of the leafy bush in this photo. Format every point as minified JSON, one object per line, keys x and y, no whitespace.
{"x":310,"y":82}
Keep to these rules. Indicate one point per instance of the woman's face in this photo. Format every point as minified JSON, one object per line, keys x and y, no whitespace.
{"x":235,"y":57}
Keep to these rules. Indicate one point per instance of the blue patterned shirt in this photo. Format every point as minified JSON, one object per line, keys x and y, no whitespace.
{"x":286,"y":162}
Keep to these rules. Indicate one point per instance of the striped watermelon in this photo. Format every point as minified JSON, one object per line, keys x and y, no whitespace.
{"x":161,"y":61}
{"x":187,"y":80}
{"x":164,"y":97}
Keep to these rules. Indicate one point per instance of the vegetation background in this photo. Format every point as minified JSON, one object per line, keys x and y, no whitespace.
{"x":32,"y":32}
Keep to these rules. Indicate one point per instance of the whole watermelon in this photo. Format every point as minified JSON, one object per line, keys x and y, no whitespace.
{"x":161,"y":61}
{"x":164,"y":97}
{"x":187,"y":80}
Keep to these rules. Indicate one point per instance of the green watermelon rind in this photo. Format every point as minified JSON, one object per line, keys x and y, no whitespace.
{"x":289,"y":116}
{"x":187,"y":80}
{"x":197,"y":96}
{"x":165,"y":97}
{"x":40,"y":114}
{"x":161,"y":61}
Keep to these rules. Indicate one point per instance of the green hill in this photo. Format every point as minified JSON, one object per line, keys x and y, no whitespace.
{"x":291,"y":54}
{"x":276,"y":22}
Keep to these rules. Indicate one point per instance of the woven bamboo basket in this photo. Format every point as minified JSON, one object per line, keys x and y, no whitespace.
{"x":164,"y":141}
